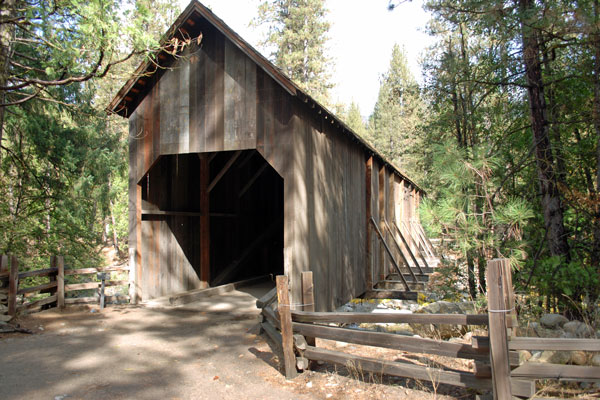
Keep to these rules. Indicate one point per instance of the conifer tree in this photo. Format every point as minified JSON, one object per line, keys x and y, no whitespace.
{"x":297,"y":35}
{"x":394,"y":124}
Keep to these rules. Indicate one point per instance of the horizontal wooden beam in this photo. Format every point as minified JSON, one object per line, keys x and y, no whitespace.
{"x":267,"y":299}
{"x":37,"y":304}
{"x":527,"y":343}
{"x":38,"y":288}
{"x":555,"y":371}
{"x":90,"y":271}
{"x":93,"y":285}
{"x":392,"y":341}
{"x":394,"y":318}
{"x":29,"y":274}
{"x":405,"y":370}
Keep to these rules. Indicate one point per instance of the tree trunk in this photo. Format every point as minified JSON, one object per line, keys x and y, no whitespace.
{"x":7,"y":31}
{"x":550,"y":197}
{"x":595,"y":259}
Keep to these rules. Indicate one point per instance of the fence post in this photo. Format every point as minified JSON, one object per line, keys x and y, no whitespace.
{"x":285,"y":317}
{"x":308,"y":298}
{"x":60,"y":288}
{"x":497,"y":311}
{"x":13,"y":283}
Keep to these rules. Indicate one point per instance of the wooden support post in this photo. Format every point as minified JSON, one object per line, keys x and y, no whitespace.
{"x":386,"y":247}
{"x":369,"y":272}
{"x":400,"y":251}
{"x":497,"y":329}
{"x":308,"y":298}
{"x":509,"y":298}
{"x":60,"y":277}
{"x":204,"y":221}
{"x":285,"y":318}
{"x":13,"y":283}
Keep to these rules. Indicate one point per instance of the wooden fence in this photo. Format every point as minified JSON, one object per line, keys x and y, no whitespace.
{"x":496,"y":360}
{"x":62,"y":284}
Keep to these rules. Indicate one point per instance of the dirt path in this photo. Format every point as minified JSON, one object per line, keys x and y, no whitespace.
{"x":206,"y":350}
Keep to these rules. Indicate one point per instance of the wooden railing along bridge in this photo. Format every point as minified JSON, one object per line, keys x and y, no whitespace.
{"x":496,"y":361}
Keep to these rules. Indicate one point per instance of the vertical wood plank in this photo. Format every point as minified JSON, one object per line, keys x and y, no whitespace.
{"x":369,"y":203}
{"x":497,"y":329}
{"x":60,"y":277}
{"x":381,"y":268}
{"x":204,"y":221}
{"x":285,"y":316}
{"x":308,"y":298}
{"x":13,"y":284}
{"x":509,"y":297}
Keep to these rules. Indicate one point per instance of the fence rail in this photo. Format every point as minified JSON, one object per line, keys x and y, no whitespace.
{"x":496,"y":361}
{"x":59,"y":285}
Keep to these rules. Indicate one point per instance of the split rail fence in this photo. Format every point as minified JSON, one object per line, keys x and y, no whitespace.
{"x":62,"y":284}
{"x":496,"y":360}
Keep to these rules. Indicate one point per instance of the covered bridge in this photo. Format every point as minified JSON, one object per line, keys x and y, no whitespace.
{"x":236,"y":172}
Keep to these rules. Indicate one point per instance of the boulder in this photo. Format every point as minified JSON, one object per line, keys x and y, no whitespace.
{"x":553,"y":320}
{"x":571,"y":327}
{"x":524,"y":356}
{"x":548,"y":333}
{"x":528,"y":330}
{"x":578,"y":358}
{"x":555,"y":357}
{"x":585,"y":331}
{"x":595,"y":360}
{"x":5,"y":318}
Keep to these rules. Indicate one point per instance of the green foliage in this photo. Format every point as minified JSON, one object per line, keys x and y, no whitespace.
{"x":297,"y":36}
{"x":63,"y":165}
{"x":481,"y":173}
{"x":395,"y":125}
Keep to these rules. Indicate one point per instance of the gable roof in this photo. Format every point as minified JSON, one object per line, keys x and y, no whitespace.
{"x":134,"y":90}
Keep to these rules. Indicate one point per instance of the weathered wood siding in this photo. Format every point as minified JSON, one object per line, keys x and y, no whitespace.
{"x":214,"y":99}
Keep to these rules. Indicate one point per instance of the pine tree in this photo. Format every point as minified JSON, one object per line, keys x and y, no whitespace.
{"x":297,"y":34}
{"x":354,"y":119}
{"x":394,"y":124}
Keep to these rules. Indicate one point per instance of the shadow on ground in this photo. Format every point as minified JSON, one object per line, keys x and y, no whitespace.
{"x":205,"y":350}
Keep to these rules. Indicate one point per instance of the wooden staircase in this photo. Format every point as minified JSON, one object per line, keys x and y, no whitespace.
{"x":412,"y":259}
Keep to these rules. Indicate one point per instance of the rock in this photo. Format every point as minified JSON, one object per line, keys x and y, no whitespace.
{"x":3,"y":309}
{"x":529,"y":330}
{"x":456,"y":340}
{"x":5,"y":318}
{"x":547,"y":333}
{"x":555,"y":357}
{"x":585,"y":331}
{"x":595,"y":361}
{"x":524,"y":356}
{"x":578,"y":357}
{"x":468,"y":337}
{"x":571,"y":327}
{"x":553,"y":320}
